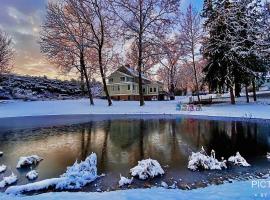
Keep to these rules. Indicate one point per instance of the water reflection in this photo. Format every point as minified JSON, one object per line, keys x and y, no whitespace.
{"x":119,"y":144}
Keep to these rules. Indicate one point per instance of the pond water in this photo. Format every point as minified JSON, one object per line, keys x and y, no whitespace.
{"x":120,"y":144}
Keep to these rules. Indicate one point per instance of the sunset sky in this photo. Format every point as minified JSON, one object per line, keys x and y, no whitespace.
{"x":22,"y":20}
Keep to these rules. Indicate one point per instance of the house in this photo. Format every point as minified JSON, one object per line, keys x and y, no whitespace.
{"x":123,"y":84}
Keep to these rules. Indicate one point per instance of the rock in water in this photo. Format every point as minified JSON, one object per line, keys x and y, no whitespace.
{"x":33,"y":174}
{"x":28,"y":160}
{"x":3,"y":168}
{"x":124,"y":181}
{"x":238,"y":160}
{"x":147,"y":169}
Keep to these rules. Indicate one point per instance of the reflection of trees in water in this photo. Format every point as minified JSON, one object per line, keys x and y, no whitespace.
{"x":86,"y":140}
{"x":235,"y":136}
{"x":105,"y":144}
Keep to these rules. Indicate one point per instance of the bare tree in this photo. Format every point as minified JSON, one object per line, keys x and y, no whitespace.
{"x":6,"y":53}
{"x":170,"y":61}
{"x":95,"y":15}
{"x":63,"y":40}
{"x":191,"y":34}
{"x":141,"y":22}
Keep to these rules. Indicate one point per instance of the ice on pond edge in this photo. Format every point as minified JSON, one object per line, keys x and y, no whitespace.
{"x":147,"y":169}
{"x":75,"y":177}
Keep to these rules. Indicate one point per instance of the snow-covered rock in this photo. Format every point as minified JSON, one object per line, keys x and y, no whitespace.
{"x":201,"y":160}
{"x":164,"y":184}
{"x":33,"y":174}
{"x":28,"y":160}
{"x":8,"y":180}
{"x":75,"y":177}
{"x":238,"y":160}
{"x":268,"y":155}
{"x":147,"y":168}
{"x":79,"y":174}
{"x":125,"y":181}
{"x":3,"y":168}
{"x":1,"y":153}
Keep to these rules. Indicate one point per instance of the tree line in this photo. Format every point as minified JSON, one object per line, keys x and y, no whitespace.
{"x":223,"y":48}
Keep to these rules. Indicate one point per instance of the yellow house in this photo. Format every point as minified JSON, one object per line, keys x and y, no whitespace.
{"x":123,"y":85}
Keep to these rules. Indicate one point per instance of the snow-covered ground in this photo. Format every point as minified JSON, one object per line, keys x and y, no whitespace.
{"x":259,"y":110}
{"x":247,"y":190}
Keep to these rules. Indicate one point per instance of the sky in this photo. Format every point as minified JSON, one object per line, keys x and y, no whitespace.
{"x":22,"y":19}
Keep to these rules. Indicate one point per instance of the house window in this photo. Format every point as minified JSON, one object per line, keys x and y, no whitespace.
{"x":134,"y":88}
{"x":151,"y":89}
{"x":118,"y":88}
{"x":122,"y":79}
{"x":128,"y":87}
{"x":130,"y":79}
{"x":111,"y":80}
{"x":155,"y":89}
{"x":144,"y":90}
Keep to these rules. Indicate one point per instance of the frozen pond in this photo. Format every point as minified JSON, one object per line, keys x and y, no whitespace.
{"x":121,"y":143}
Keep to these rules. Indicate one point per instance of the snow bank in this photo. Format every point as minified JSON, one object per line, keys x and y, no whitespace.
{"x":3,"y":168}
{"x":238,"y":160}
{"x":147,"y":168}
{"x":33,"y":174}
{"x":28,"y":160}
{"x":125,"y":181}
{"x":8,"y":180}
{"x":75,"y":177}
{"x":201,"y":160}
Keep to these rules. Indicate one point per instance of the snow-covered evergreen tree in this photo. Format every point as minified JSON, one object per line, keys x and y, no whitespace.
{"x":235,"y":47}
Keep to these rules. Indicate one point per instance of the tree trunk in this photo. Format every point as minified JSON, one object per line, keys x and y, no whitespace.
{"x":232,"y":95}
{"x":254,"y":90}
{"x":103,"y":78}
{"x":82,"y":63}
{"x":195,"y":75}
{"x":172,"y":92}
{"x":237,"y":89}
{"x":82,"y":82}
{"x":247,"y":96}
{"x":140,"y":49}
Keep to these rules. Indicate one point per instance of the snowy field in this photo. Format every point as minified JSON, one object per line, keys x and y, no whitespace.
{"x":258,"y":110}
{"x":237,"y":190}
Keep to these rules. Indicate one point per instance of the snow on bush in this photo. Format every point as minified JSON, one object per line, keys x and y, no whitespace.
{"x":79,"y":174}
{"x":201,"y":160}
{"x":125,"y":181}
{"x":8,"y":180}
{"x":75,"y":177}
{"x":33,"y":174}
{"x":147,"y":168}
{"x":3,"y":168}
{"x":28,"y":160}
{"x":238,"y":160}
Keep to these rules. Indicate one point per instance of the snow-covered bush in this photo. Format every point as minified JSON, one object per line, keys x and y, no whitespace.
{"x":238,"y":160}
{"x":33,"y":174}
{"x":28,"y":160}
{"x":75,"y":177}
{"x":8,"y":180}
{"x":79,"y":174}
{"x":147,"y":168}
{"x":201,"y":160}
{"x":3,"y":168}
{"x":125,"y":181}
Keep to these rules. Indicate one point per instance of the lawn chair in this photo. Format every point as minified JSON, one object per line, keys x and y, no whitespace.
{"x":191,"y":107}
